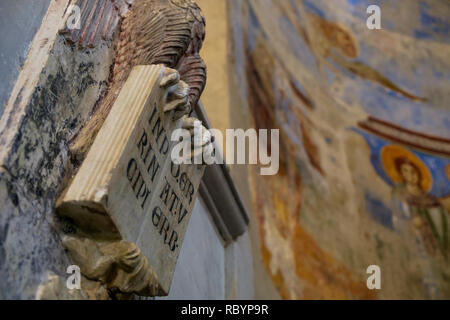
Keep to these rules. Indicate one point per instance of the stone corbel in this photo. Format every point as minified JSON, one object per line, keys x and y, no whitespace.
{"x":117,"y":265}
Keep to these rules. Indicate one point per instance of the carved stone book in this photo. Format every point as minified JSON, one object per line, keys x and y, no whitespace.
{"x":128,"y":188}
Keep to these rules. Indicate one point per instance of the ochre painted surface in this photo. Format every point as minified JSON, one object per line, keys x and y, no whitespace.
{"x":216,"y":97}
{"x":364,"y":143}
{"x":217,"y":100}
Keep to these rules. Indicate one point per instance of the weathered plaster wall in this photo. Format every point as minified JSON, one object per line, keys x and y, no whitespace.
{"x":35,"y":167}
{"x":19,"y":21}
{"x":216,"y":98}
{"x":364,"y":125}
{"x":34,"y":137}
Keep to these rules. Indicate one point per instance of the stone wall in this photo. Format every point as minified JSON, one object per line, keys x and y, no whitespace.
{"x":36,"y":126}
{"x":21,"y":19}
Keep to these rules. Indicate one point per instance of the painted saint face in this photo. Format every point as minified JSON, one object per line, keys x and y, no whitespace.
{"x":409,"y":174}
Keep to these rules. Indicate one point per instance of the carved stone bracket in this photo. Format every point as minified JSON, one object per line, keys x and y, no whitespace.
{"x":118,"y":265}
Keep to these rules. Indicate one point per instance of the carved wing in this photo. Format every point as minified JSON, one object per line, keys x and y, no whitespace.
{"x":162,"y":32}
{"x":168,"y":32}
{"x":142,"y":35}
{"x":192,"y":70}
{"x":97,"y":20}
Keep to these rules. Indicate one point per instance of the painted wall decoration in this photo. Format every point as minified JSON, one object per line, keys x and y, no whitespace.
{"x":365,"y":143}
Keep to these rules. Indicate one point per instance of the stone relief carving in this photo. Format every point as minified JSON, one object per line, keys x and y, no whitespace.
{"x":143,"y":32}
{"x":110,"y":266}
{"x":117,"y":265}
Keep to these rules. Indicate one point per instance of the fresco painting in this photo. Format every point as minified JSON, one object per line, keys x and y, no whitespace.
{"x":364,"y":143}
{"x":420,"y":187}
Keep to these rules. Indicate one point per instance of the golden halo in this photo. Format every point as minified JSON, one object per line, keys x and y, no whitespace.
{"x":388,"y":156}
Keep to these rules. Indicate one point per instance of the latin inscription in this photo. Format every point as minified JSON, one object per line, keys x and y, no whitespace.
{"x":174,"y":188}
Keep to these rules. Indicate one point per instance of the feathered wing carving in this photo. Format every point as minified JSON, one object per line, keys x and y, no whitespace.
{"x":169,"y":32}
{"x":193,"y":71}
{"x":99,"y":20}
